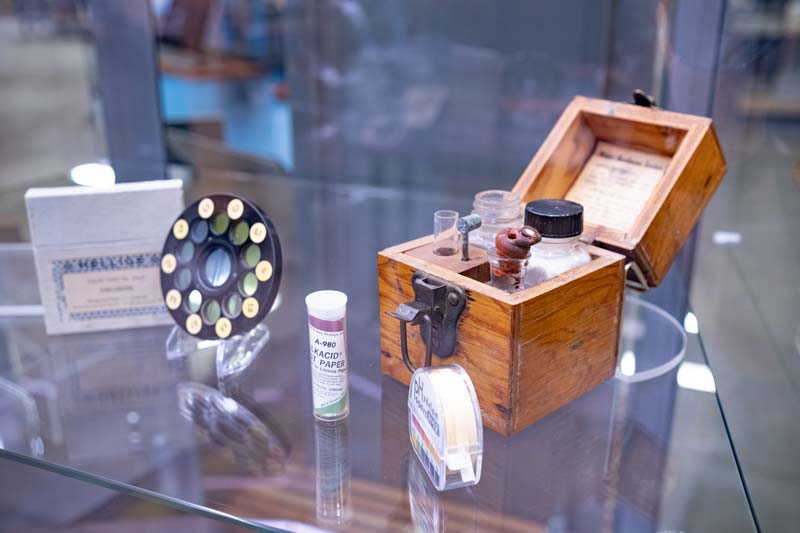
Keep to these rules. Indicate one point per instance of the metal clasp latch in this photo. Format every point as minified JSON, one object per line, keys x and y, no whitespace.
{"x":437,"y":305}
{"x":643,"y":99}
{"x":639,"y":282}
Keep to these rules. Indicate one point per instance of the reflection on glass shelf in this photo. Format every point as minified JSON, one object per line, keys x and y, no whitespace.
{"x":254,"y":443}
{"x":332,"y":446}
{"x":696,"y":376}
{"x":690,"y":323}
{"x":19,"y":420}
{"x":115,"y":407}
{"x":726,"y":238}
{"x":797,"y":339}
{"x":423,"y":501}
{"x":627,"y":363}
{"x":19,"y":290}
{"x":103,"y":404}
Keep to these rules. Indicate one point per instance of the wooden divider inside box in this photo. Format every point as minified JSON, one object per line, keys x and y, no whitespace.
{"x":477,"y":267}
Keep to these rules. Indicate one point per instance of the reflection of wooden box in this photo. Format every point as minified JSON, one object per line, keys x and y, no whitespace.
{"x":644,"y":176}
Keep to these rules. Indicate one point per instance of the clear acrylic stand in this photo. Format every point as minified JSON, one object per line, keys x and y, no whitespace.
{"x":652,"y":341}
{"x":233,"y":355}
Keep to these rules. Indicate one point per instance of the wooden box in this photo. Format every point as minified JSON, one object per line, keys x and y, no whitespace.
{"x":644,"y":176}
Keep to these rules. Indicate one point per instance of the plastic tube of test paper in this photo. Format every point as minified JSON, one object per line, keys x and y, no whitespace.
{"x":327,"y":338}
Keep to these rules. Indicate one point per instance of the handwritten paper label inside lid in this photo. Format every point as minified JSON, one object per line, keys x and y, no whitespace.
{"x":615,"y":184}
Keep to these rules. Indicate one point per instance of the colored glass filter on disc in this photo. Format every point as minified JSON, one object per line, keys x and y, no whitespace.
{"x":220,"y":267}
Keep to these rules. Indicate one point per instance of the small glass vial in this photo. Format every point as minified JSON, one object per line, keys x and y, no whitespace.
{"x":498,"y":210}
{"x":560,"y":222}
{"x":507,"y":273}
{"x":445,"y":236}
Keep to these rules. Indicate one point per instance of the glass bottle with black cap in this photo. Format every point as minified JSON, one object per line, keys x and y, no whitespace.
{"x":560,"y":223}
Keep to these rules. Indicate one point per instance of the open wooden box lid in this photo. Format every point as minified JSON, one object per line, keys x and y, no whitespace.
{"x":643,"y":175}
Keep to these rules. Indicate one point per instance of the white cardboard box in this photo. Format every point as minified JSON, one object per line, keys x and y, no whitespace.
{"x":98,"y":252}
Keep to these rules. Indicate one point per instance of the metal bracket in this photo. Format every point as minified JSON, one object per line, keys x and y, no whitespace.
{"x":643,"y":99}
{"x":438,"y":305}
{"x":640,"y":283}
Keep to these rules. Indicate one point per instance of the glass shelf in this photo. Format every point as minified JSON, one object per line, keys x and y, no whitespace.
{"x":148,"y":414}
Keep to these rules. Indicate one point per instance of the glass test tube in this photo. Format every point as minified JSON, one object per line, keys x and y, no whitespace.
{"x":445,"y":236}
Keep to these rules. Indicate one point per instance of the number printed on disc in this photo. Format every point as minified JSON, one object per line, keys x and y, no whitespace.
{"x":168,"y":263}
{"x":194,"y":324}
{"x":235,"y":209}
{"x":250,"y":307}
{"x":173,"y":299}
{"x":263,"y":270}
{"x":223,"y":328}
{"x":180,"y":229}
{"x":258,"y":233}
{"x":205,"y":208}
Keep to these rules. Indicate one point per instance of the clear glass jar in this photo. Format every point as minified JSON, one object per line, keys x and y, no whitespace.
{"x":551,"y":257}
{"x":498,"y":210}
{"x":560,"y":223}
{"x":507,"y":273}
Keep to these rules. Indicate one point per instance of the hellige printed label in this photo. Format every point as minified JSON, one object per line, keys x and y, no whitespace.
{"x":112,"y":291}
{"x":104,"y":288}
{"x":328,"y":364}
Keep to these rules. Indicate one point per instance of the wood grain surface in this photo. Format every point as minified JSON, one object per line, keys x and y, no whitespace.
{"x":533,"y":351}
{"x":567,"y":341}
{"x":484,"y":341}
{"x":501,"y":335}
{"x":693,"y":174}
